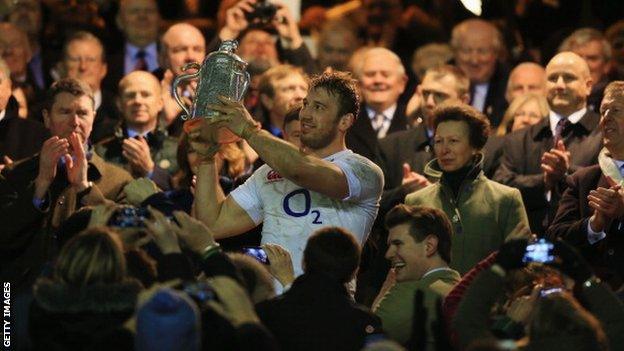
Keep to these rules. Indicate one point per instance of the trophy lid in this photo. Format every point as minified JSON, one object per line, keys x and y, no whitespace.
{"x":228,"y":47}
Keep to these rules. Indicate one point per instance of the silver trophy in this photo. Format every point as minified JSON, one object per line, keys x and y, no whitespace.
{"x":222,"y":73}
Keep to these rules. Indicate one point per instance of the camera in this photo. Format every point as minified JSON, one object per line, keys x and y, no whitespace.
{"x":540,"y":251}
{"x":129,"y":217}
{"x":258,"y":253}
{"x":262,"y":14}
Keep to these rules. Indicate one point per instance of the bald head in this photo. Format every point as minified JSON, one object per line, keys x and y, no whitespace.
{"x":182,"y":43}
{"x":140,"y":100}
{"x":568,"y":83}
{"x":527,"y":77}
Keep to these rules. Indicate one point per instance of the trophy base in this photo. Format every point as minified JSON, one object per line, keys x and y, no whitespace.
{"x":221,"y":135}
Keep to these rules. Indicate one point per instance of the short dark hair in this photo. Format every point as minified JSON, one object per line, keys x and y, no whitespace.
{"x":424,"y":221}
{"x":478,"y":124}
{"x":72,"y":86}
{"x":342,"y":86}
{"x":292,"y":114}
{"x":333,"y":252}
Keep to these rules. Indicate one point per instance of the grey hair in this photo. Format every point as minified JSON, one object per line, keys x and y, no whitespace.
{"x":583,"y":36}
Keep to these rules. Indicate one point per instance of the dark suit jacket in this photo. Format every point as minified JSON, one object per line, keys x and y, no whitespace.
{"x":570,"y":224}
{"x":521,"y":163}
{"x":317,"y":314}
{"x":106,"y":118}
{"x":19,"y":138}
{"x":495,"y":102}
{"x":410,"y":146}
{"x":492,"y":154}
{"x":26,"y":236}
{"x":362,"y":139}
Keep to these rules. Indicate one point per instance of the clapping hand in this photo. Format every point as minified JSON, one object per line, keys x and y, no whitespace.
{"x":608,"y":204}
{"x":555,"y":164}
{"x":137,"y":152}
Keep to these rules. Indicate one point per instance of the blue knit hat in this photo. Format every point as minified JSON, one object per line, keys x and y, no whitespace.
{"x":168,"y":321}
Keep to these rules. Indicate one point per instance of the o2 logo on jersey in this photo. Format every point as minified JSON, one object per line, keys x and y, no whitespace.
{"x":306,"y":208}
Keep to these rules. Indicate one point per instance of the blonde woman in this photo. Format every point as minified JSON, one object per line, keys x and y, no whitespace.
{"x":525,"y":110}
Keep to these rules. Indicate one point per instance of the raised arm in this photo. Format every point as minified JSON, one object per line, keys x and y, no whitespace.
{"x":307,"y":171}
{"x":220,"y":213}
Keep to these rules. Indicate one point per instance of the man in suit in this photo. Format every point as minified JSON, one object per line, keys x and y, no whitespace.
{"x":15,"y":50}
{"x":138,"y":20}
{"x":591,"y":211}
{"x":476,"y":45}
{"x":537,"y":159}
{"x":182,"y":43}
{"x":526,"y":77}
{"x":39,"y":193}
{"x":382,"y":80}
{"x":84,"y":59}
{"x":140,"y":143}
{"x":19,"y":138}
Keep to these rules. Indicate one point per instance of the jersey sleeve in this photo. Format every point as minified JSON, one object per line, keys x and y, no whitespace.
{"x":365,"y":179}
{"x":247,"y":196}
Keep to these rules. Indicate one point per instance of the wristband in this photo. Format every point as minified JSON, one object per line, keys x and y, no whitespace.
{"x":210,"y":250}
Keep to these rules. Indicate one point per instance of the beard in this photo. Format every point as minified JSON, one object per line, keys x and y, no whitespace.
{"x":320,"y":140}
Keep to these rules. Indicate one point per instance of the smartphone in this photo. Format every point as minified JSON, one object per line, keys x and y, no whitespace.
{"x":200,"y":291}
{"x":129,"y":217}
{"x":545,"y":292}
{"x":540,"y":251}
{"x":258,"y":253}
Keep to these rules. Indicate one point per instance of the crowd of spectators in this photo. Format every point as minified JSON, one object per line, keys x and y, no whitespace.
{"x":399,"y":175}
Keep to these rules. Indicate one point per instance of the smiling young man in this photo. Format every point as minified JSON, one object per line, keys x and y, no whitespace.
{"x":296,"y":191}
{"x":419,"y":249}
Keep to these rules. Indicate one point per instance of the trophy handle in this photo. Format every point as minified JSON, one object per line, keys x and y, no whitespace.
{"x":245,"y":85}
{"x":179,"y":79}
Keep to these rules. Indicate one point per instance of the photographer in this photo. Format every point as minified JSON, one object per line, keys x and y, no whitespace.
{"x":252,"y":23}
{"x":557,"y":320}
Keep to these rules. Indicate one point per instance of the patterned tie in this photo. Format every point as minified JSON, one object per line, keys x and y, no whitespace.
{"x":141,"y":63}
{"x":378,"y":123}
{"x":561,"y":126}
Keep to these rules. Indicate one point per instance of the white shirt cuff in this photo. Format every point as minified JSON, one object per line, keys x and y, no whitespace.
{"x":592,"y":236}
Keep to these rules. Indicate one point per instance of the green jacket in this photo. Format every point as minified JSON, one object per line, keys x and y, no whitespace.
{"x":396,"y":307}
{"x":483,"y":214}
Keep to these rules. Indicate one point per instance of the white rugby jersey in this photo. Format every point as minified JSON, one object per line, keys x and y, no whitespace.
{"x":291,"y":213}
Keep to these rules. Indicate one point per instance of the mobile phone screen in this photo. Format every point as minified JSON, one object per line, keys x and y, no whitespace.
{"x":258,"y":253}
{"x":541,"y":252}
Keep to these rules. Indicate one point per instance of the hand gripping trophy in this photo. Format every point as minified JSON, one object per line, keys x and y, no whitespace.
{"x":222,"y":73}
